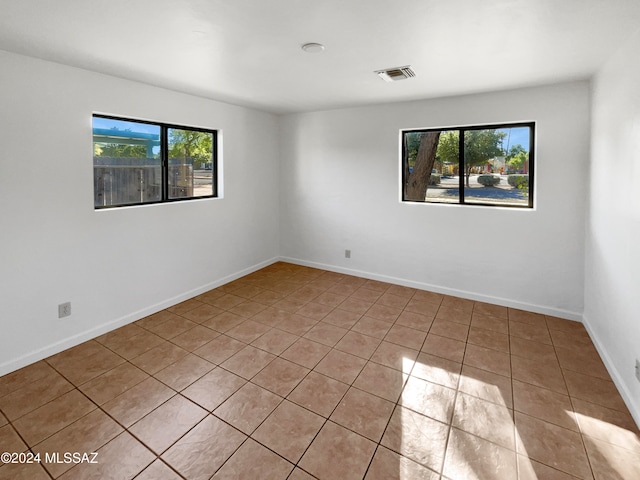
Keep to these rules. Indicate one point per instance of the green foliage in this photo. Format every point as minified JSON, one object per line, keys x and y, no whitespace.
{"x":191,"y":145}
{"x":117,"y":150}
{"x":518,"y":181}
{"x":488,"y":180}
{"x":434,"y":179}
{"x":517,"y":161}
{"x":480,"y":146}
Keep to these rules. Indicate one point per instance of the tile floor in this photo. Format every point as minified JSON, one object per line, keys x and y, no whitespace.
{"x":297,"y":373}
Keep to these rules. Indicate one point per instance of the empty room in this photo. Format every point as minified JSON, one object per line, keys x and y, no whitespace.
{"x":337,"y":240}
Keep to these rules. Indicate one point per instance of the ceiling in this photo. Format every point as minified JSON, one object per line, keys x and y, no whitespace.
{"x":247,"y":52}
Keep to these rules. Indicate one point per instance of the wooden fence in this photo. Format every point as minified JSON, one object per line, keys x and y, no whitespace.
{"x":130,"y":181}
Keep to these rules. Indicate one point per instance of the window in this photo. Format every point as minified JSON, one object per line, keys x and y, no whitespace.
{"x":137,"y":162}
{"x":483,"y":165}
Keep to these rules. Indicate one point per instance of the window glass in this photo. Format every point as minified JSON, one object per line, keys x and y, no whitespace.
{"x":495,"y":167}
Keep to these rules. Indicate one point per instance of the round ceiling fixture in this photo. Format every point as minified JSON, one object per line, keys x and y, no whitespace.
{"x":313,"y":47}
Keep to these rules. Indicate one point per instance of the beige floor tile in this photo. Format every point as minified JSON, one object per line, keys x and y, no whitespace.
{"x":87,"y":434}
{"x":532,"y":332}
{"x":248,"y":309}
{"x":112,"y":383}
{"x":473,"y":458}
{"x":23,"y":471}
{"x":318,"y":393}
{"x":429,"y":399}
{"x":52,"y":417}
{"x":248,"y":362}
{"x":453,"y":330}
{"x":354,"y":306}
{"x":551,"y":445}
{"x":358,"y":344}
{"x":130,"y":406}
{"x":289,"y":430}
{"x":306,"y":352}
{"x":341,"y":366}
{"x":213,"y":388}
{"x":415,"y":320}
{"x":405,"y":336}
{"x":488,"y":359}
{"x":275,"y":341}
{"x":444,"y":347}
{"x":529,"y":469}
{"x":544,"y":404}
{"x":421,"y":307}
{"x":326,"y":334}
{"x":184,"y":307}
{"x":484,"y":419}
{"x":457,"y":302}
{"x":326,"y":459}
{"x":451,"y":314}
{"x":24,"y":376}
{"x":167,"y":423}
{"x":385,"y":382}
{"x":252,"y":460}
{"x":315,"y":310}
{"x":84,"y":362}
{"x":390,"y":299}
{"x":363,"y":293}
{"x":489,"y":339}
{"x":610,"y":462}
{"x":533,"y":350}
{"x":280,"y":376}
{"x":219,"y":349}
{"x":248,"y":331}
{"x":184,"y":372}
{"x":363,"y":413}
{"x":395,"y":356}
{"x":136,"y":345}
{"x":429,"y":297}
{"x":297,"y":324}
{"x":388,"y":465}
{"x":10,"y":441}
{"x":247,"y":408}
{"x":416,"y":437}
{"x":607,"y":425}
{"x":158,"y":470}
{"x":223,"y":322}
{"x":486,"y":385}
{"x":330,"y":299}
{"x":372,"y":327}
{"x":526,"y":317}
{"x":34,"y":395}
{"x":173,"y":327}
{"x":437,"y":370}
{"x":540,"y":373}
{"x":384,"y":312}
{"x":585,"y":361}
{"x":594,"y":390}
{"x":496,"y":324}
{"x":159,"y":357}
{"x":202,"y":451}
{"x":122,"y":457}
{"x":194,"y":338}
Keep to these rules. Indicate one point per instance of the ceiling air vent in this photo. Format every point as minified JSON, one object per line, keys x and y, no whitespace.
{"x":397,"y":73}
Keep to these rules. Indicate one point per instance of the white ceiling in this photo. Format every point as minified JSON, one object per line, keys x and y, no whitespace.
{"x":248,"y":52}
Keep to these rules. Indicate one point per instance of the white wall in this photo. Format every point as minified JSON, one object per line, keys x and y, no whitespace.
{"x":117,"y":265}
{"x":612,"y":279}
{"x":340,"y":186}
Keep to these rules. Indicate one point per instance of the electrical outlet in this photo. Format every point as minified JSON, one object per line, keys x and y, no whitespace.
{"x":638,"y":369}
{"x":64,"y":309}
{"x":347,"y":254}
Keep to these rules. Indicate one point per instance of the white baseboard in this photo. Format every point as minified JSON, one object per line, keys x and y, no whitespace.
{"x":505,"y":302}
{"x":36,"y":355}
{"x":633,"y":406}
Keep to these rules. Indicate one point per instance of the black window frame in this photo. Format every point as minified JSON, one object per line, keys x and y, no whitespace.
{"x":164,"y":161}
{"x":461,"y":129}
